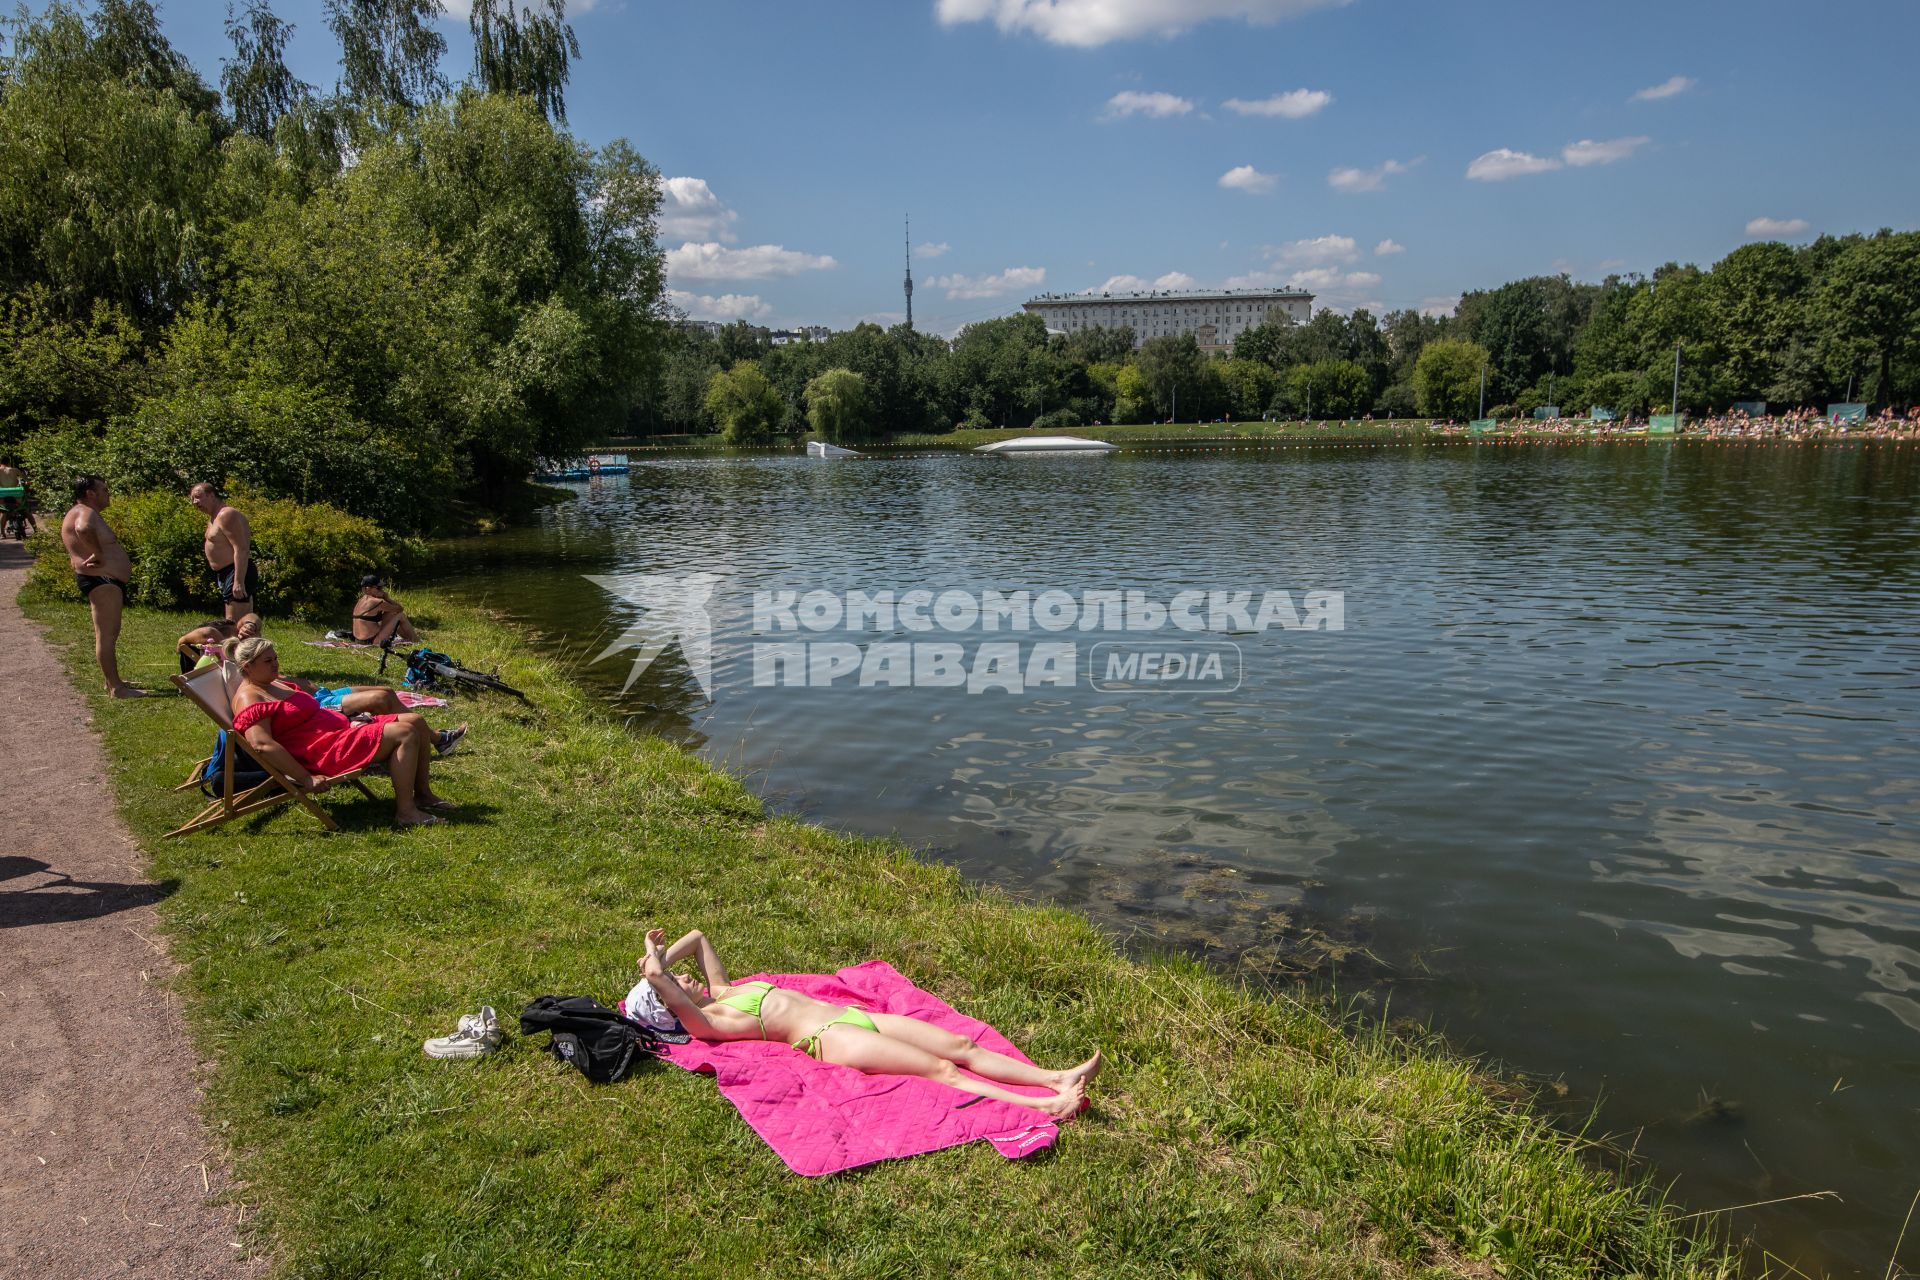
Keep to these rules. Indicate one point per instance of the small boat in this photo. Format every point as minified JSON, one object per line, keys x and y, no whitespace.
{"x":821,"y":449}
{"x":1047,"y":444}
{"x":594,"y":464}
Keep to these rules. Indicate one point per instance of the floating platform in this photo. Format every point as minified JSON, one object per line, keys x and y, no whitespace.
{"x":594,"y":464}
{"x":1047,"y":444}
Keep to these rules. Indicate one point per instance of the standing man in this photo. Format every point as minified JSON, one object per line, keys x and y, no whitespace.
{"x":100,"y":570}
{"x":229,"y":548}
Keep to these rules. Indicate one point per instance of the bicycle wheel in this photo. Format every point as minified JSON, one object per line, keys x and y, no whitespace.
{"x":460,"y":675}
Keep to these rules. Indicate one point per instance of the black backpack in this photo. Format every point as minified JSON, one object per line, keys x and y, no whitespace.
{"x":589,"y":1035}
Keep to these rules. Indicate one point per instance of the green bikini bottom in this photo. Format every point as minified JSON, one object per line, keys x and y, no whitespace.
{"x":810,"y":1045}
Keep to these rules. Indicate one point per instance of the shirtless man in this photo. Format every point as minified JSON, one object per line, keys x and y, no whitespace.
{"x":229,"y":548}
{"x":100,"y":570}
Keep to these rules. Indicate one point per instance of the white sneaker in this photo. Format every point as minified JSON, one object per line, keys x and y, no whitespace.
{"x":478,"y":1035}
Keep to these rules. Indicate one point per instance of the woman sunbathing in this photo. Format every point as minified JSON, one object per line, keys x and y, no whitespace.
{"x":876,"y":1043}
{"x":309,"y":743}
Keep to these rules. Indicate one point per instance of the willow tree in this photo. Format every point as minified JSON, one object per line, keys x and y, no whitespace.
{"x":838,"y":406}
{"x":524,"y":49}
{"x":389,"y":51}
{"x":259,"y":88}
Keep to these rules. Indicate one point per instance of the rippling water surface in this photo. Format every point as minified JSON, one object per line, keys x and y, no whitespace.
{"x":1614,"y":773}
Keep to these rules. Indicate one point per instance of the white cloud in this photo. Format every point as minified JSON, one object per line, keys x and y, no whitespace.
{"x":1439,"y":306}
{"x":1088,"y":23}
{"x":1330,"y":279}
{"x":711,"y":261}
{"x":1157,"y":106}
{"x":690,"y":211}
{"x":1585,"y":152}
{"x":1317,"y":251}
{"x":958,"y":286}
{"x":1356,"y":180}
{"x":1248,"y":179}
{"x":1503,"y":163}
{"x":1296,"y":104}
{"x":1386,"y":248}
{"x":725,"y":308}
{"x":1172,"y":280}
{"x":931,"y":250}
{"x":1774,"y":227}
{"x":1332,"y":286}
{"x":1665,"y":89}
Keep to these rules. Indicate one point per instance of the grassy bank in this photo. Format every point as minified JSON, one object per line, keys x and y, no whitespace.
{"x":1232,"y":1134}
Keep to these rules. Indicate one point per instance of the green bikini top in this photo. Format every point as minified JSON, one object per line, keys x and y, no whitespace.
{"x":747,"y":1000}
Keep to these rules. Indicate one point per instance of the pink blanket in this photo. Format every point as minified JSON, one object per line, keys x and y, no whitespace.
{"x":822,"y":1118}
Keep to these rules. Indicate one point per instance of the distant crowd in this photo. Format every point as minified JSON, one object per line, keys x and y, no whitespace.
{"x":1797,"y":424}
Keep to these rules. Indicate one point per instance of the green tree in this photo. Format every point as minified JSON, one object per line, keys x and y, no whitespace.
{"x":259,"y":88}
{"x":107,"y":164}
{"x":1758,"y":293}
{"x":1172,"y":368}
{"x":1866,"y":311}
{"x":1446,"y":378}
{"x":389,"y":51}
{"x":745,"y":405}
{"x":1331,"y":388}
{"x":1249,"y":386}
{"x":55,"y":369}
{"x":1133,"y":399}
{"x":524,"y":48}
{"x":838,"y":407}
{"x":1270,"y":342}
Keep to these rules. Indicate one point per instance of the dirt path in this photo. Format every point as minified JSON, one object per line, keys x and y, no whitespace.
{"x":105,"y":1169}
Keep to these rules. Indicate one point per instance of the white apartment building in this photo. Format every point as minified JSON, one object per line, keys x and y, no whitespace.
{"x":1214,"y":317}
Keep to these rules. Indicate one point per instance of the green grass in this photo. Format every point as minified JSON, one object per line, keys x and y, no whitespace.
{"x":1233,"y":1134}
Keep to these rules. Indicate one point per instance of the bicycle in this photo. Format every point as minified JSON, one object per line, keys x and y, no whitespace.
{"x":429,"y":670}
{"x":14,"y":514}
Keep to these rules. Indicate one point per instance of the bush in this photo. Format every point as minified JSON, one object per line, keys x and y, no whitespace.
{"x":311,"y":556}
{"x":1058,"y":418}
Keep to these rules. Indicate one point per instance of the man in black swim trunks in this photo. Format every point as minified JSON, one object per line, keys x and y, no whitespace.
{"x":229,"y":548}
{"x":101,"y":569}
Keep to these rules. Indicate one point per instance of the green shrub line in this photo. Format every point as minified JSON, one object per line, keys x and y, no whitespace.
{"x":1233,"y":1133}
{"x":311,"y":555}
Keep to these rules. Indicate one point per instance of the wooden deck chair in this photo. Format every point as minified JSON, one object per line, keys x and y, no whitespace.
{"x":211,"y":689}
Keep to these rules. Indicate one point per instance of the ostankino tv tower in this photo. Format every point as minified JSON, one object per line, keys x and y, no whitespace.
{"x":909,"y":271}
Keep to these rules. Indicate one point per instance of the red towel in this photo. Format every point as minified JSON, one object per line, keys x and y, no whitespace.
{"x":821,"y":1118}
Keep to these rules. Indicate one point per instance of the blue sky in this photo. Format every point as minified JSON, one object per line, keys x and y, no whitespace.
{"x":1387,"y":153}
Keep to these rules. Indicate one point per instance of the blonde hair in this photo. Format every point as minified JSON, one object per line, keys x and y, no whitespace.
{"x":242,"y":652}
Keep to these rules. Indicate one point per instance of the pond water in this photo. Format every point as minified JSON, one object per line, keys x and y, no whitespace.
{"x":1613,"y":773}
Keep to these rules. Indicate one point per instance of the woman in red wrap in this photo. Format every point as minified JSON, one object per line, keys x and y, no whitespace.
{"x":310,"y":743}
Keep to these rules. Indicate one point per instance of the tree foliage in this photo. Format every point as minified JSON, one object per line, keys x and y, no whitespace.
{"x":260,"y":90}
{"x":838,"y":407}
{"x":524,"y":48}
{"x":185,"y":293}
{"x":1446,"y":378}
{"x":744,"y":404}
{"x":389,"y":51}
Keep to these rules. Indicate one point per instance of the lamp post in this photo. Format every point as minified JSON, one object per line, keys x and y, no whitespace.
{"x":1675,"y":406}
